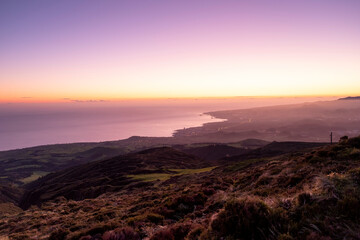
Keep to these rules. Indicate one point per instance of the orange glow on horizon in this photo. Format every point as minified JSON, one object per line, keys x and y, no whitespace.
{"x":178,"y":50}
{"x":48,"y":99}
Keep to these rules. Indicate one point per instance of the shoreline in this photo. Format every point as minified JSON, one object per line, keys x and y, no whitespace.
{"x":226,"y":125}
{"x":107,"y":142}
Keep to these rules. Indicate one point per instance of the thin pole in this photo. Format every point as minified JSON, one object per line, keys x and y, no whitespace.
{"x":331,"y":138}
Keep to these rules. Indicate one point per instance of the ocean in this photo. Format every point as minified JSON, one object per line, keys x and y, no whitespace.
{"x":32,"y":124}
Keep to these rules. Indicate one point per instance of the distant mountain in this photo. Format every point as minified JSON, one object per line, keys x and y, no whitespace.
{"x":214,"y":151}
{"x":350,"y":98}
{"x":275,"y":149}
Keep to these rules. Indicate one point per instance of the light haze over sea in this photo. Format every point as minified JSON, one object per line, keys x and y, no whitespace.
{"x":31,"y":124}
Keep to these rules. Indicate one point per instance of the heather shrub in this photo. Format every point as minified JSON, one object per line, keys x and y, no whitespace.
{"x":59,"y":234}
{"x":289,"y":181}
{"x":304,"y":198}
{"x":343,"y":139}
{"x":322,"y":153}
{"x":164,"y":211}
{"x":180,"y":230}
{"x":285,"y":237}
{"x":182,"y":205}
{"x":349,"y":207}
{"x":96,"y":230}
{"x":195,"y":233}
{"x":315,"y":159}
{"x":355,"y":153}
{"x":164,"y":234}
{"x":355,"y":175}
{"x":263,"y":181}
{"x":316,"y":236}
{"x":88,"y":237}
{"x":354,"y":142}
{"x":125,"y":233}
{"x":132,"y":221}
{"x":244,"y":219}
{"x":176,"y":232}
{"x":208,"y":191}
{"x":155,"y":218}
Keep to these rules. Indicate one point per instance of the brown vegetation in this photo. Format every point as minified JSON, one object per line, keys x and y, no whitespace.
{"x":311,"y":194}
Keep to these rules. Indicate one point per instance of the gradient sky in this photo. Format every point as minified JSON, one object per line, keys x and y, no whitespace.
{"x":87,"y":49}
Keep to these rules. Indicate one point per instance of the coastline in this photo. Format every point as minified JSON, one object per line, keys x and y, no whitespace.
{"x":169,"y":137}
{"x":184,"y":132}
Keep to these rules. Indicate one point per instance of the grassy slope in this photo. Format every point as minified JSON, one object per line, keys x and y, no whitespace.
{"x":165,"y":176}
{"x":25,"y":165}
{"x":311,"y":194}
{"x":92,"y":179}
{"x":113,"y":174}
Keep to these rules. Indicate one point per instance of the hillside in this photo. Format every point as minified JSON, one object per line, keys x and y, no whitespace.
{"x":10,"y":194}
{"x":350,"y":98}
{"x":92,"y":179}
{"x":308,"y":194}
{"x":22,"y":166}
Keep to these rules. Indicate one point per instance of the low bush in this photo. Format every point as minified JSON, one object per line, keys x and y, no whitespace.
{"x":125,"y":233}
{"x":354,"y":142}
{"x":132,"y":221}
{"x":244,"y":219}
{"x":195,"y":233}
{"x":59,"y":234}
{"x":355,"y":175}
{"x":180,"y":206}
{"x":349,"y":207}
{"x":304,"y":198}
{"x":176,"y":232}
{"x":285,"y":236}
{"x":155,"y":218}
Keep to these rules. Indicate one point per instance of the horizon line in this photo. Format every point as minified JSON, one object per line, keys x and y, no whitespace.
{"x":99,"y":100}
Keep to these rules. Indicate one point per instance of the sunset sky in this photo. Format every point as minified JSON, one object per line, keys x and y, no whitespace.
{"x":87,"y":49}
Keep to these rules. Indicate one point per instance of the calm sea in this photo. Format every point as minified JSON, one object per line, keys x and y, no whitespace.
{"x":31,"y":124}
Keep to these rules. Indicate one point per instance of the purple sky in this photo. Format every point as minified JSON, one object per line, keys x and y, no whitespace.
{"x":52,"y":50}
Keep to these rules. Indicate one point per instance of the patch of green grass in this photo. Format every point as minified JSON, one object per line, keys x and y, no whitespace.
{"x":164,"y":176}
{"x":197,"y":145}
{"x":191,"y":171}
{"x":21,"y":167}
{"x":151,"y":177}
{"x":237,"y":145}
{"x":35,"y":175}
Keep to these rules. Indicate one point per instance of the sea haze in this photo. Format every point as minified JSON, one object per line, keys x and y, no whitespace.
{"x":31,"y":124}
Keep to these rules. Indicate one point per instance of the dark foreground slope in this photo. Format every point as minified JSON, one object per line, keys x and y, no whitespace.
{"x":308,"y":194}
{"x":92,"y":179}
{"x":22,"y":166}
{"x":10,"y":194}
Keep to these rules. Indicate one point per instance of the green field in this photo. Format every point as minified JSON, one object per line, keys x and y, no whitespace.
{"x":164,"y":176}
{"x":22,"y":167}
{"x":35,"y":175}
